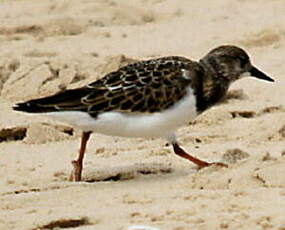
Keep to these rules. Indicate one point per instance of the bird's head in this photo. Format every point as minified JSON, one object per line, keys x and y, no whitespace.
{"x":231,"y":63}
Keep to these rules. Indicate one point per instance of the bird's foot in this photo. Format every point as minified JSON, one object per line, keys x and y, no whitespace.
{"x":200,"y":163}
{"x":75,"y":174}
{"x":204,"y":164}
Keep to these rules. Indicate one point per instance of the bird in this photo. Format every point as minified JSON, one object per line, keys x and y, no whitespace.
{"x":149,"y":98}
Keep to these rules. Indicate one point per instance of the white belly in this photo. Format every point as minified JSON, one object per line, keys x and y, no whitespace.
{"x":160,"y":124}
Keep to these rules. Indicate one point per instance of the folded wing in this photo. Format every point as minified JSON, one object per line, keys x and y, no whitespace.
{"x":142,"y":87}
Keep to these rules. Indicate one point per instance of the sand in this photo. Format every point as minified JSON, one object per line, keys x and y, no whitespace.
{"x":47,"y":46}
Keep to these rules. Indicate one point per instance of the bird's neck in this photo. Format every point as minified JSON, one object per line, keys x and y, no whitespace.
{"x":213,"y":87}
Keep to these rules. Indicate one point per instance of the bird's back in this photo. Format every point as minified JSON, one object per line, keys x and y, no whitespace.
{"x":143,"y":87}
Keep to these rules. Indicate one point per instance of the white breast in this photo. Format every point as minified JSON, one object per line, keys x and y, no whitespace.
{"x":159,"y":124}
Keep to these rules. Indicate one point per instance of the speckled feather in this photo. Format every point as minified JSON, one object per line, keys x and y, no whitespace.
{"x":143,"y":87}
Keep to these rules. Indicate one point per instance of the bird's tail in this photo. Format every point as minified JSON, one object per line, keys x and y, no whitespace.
{"x":67,"y":100}
{"x":32,"y":107}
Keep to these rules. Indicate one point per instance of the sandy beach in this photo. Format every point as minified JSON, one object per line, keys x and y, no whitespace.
{"x":48,"y":45}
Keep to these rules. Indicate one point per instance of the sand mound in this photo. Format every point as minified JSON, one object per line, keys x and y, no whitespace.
{"x":51,"y":76}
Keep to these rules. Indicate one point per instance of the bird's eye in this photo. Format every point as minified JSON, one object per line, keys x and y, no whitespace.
{"x":243,"y":61}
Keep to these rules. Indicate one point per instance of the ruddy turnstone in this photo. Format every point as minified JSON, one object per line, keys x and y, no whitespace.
{"x":151,"y":98}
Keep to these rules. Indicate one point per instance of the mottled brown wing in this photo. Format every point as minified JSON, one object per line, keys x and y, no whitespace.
{"x":143,"y":87}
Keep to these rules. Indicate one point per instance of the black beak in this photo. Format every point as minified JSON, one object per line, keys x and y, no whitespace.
{"x":258,"y":74}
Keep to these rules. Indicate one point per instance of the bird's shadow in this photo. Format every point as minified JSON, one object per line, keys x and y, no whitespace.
{"x":135,"y":171}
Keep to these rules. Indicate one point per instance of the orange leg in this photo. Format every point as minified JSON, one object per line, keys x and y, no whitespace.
{"x":201,"y":164}
{"x":77,"y":164}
